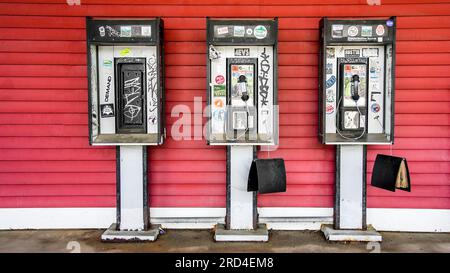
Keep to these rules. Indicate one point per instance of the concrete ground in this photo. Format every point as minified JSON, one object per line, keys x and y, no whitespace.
{"x":202,"y":241}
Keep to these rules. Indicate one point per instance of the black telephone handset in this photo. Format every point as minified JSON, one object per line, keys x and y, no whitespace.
{"x":242,"y":83}
{"x":354,"y":89}
{"x":240,"y":117}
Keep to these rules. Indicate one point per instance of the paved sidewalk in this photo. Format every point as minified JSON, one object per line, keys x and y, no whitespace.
{"x":202,"y":241}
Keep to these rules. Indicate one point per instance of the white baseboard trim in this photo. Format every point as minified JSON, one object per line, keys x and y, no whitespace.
{"x":187,"y":218}
{"x":56,"y":218}
{"x":92,"y":218}
{"x":414,"y":220}
{"x":294,"y":212}
{"x":295,"y":218}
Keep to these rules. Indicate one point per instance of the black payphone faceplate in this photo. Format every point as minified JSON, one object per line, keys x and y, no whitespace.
{"x":241,"y":97}
{"x":352,"y":114}
{"x":131,"y":99}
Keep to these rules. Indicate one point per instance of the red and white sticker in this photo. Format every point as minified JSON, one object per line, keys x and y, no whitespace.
{"x":330,"y":109}
{"x":220,"y":79}
{"x":380,"y":30}
{"x":375,"y":108}
{"x":222,"y":30}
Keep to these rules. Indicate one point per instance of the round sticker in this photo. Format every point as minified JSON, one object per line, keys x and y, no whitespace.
{"x":375,"y":107}
{"x":380,"y":30}
{"x":352,"y":31}
{"x":220,"y":79}
{"x":330,"y":109}
{"x":249,"y":31}
{"x":260,"y":32}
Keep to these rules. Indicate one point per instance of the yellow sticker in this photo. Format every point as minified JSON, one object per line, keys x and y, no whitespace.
{"x":125,"y":51}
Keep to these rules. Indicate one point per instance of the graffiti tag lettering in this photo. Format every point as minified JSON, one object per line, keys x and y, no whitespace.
{"x":264,"y":78}
{"x":132,"y":94}
{"x":108,"y":88}
{"x":152,"y":81}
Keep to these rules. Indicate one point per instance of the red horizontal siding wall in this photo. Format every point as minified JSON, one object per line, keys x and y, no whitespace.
{"x":45,"y":159}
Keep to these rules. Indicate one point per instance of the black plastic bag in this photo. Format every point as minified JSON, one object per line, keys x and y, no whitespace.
{"x":390,"y":173}
{"x":267,"y":176}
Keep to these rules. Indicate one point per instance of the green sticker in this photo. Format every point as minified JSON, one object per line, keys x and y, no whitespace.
{"x":107,"y":63}
{"x":219,"y":90}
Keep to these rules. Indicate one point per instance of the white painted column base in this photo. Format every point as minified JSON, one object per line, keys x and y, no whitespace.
{"x":241,"y":203}
{"x":348,"y":235}
{"x":131,"y":186}
{"x":350,"y":195}
{"x":260,"y":234}
{"x":350,"y":202}
{"x":112,"y":234}
{"x":132,"y":221}
{"x":241,"y":207}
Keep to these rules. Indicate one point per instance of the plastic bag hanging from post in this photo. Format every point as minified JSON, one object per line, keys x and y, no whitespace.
{"x":267,"y":176}
{"x":390,"y":173}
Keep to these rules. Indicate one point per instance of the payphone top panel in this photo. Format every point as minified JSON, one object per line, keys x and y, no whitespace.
{"x":358,"y":31}
{"x":123,"y":31}
{"x":238,"y":32}
{"x":126,"y":87}
{"x":356,"y":86}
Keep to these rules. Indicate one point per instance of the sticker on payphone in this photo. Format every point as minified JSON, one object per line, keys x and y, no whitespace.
{"x":218,"y":120}
{"x":337,"y":31}
{"x":350,"y":71}
{"x":242,"y":82}
{"x":107,"y":110}
{"x":351,"y":120}
{"x":240,"y":120}
{"x":146,"y":31}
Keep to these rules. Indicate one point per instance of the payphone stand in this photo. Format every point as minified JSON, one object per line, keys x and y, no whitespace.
{"x":126,"y":111}
{"x":241,"y":99}
{"x":356,"y":109}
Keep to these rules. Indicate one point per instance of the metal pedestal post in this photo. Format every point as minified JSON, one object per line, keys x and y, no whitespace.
{"x":242,"y":216}
{"x":132,"y":198}
{"x":350,"y":197}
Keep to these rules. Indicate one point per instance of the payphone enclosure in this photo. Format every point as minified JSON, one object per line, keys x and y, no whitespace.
{"x":125,"y":75}
{"x":242,"y":82}
{"x":356,"y":82}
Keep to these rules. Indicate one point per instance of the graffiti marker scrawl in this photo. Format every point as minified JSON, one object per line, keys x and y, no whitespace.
{"x":264,"y":78}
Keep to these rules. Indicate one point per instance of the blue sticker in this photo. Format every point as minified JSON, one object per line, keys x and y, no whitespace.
{"x":331,"y":81}
{"x":389,"y":23}
{"x":375,"y":108}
